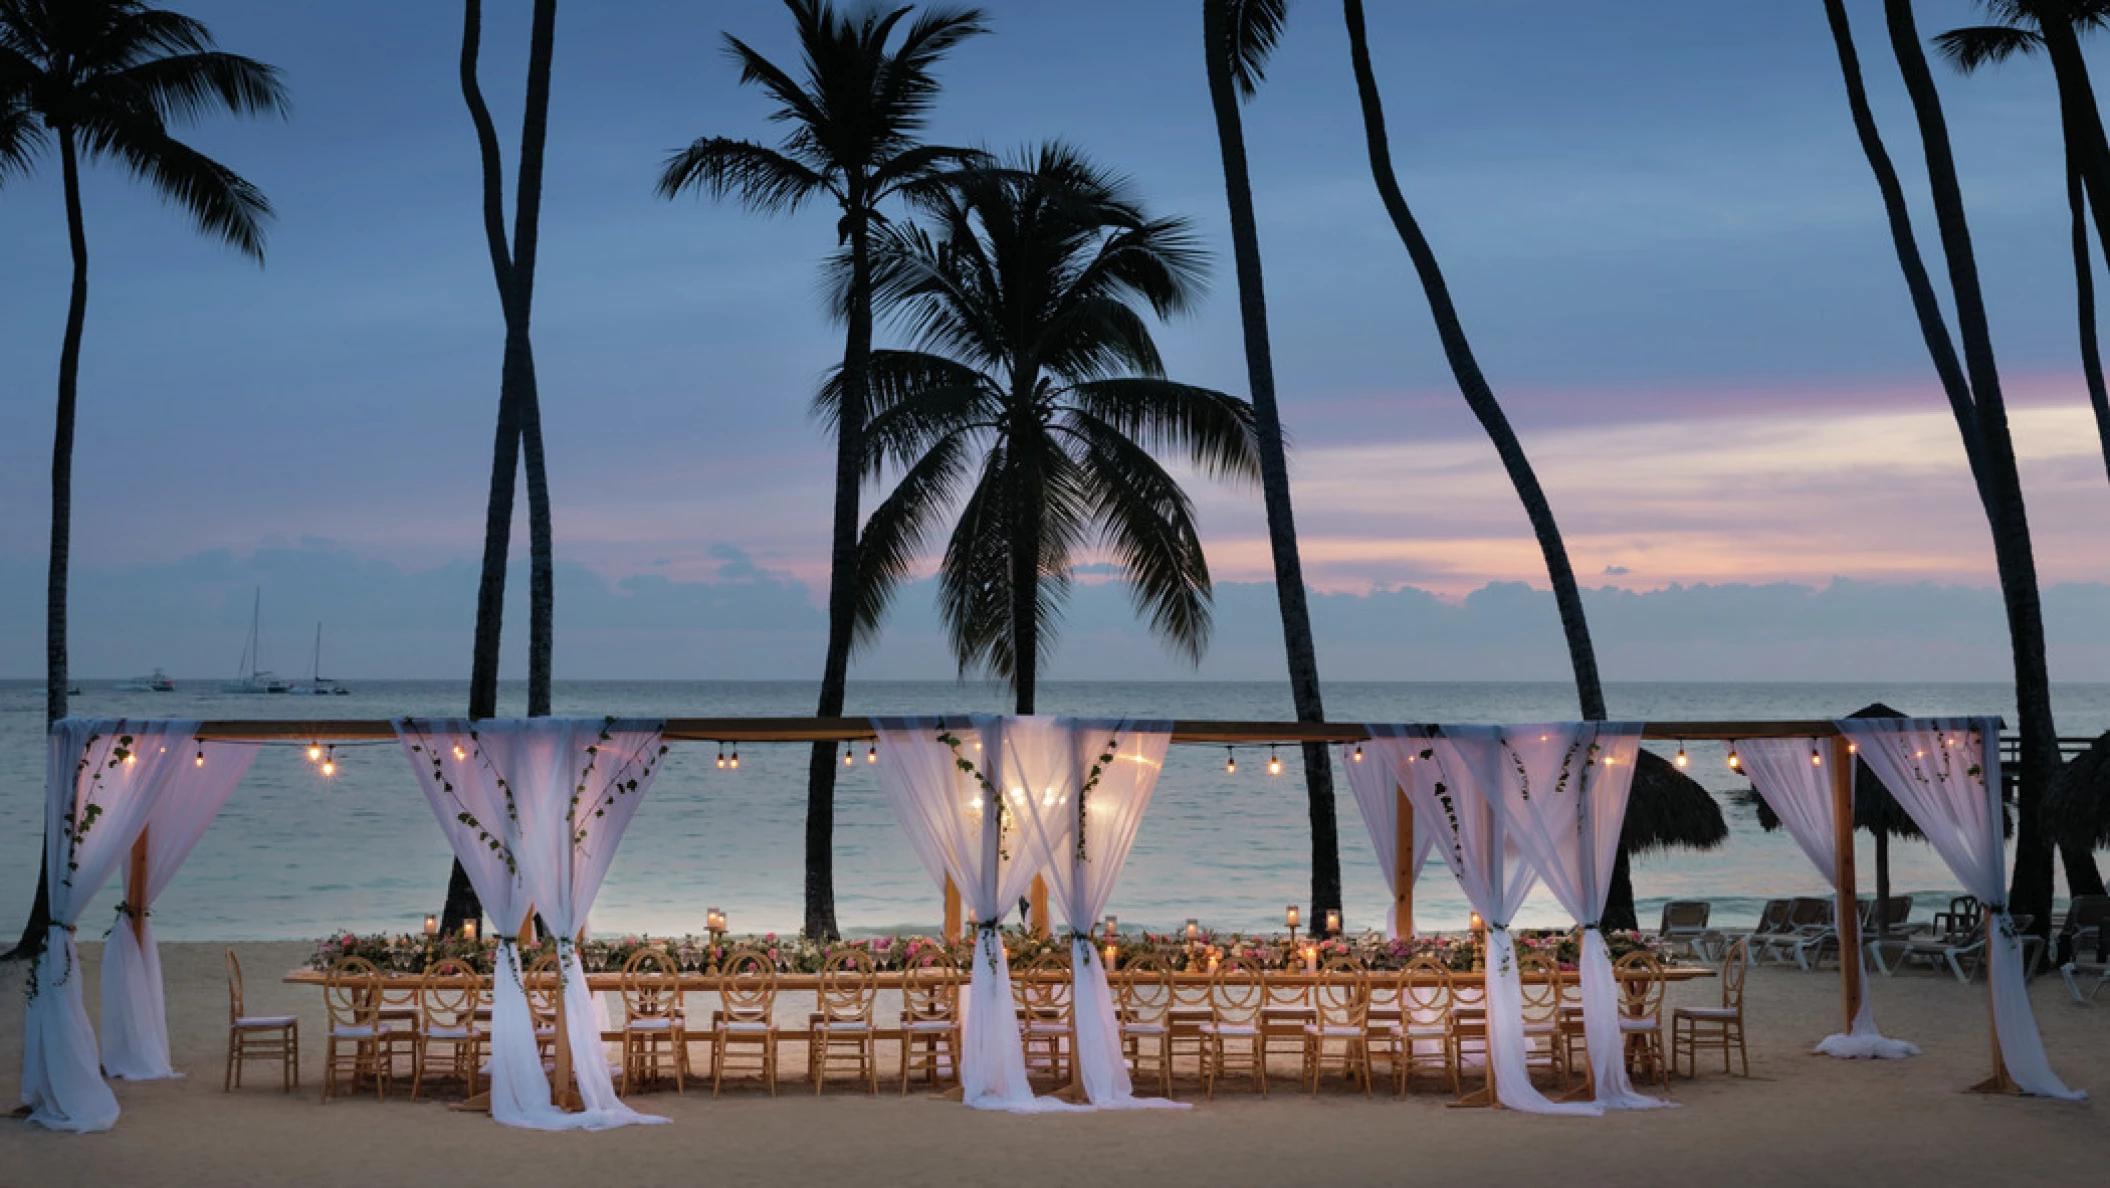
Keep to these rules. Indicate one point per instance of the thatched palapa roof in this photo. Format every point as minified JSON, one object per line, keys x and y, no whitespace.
{"x":2077,"y":806}
{"x":1669,"y":810}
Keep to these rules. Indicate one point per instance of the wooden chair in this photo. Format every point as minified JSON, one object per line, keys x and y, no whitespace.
{"x":1544,"y":1045}
{"x":1339,"y":1004}
{"x":844,"y":1022}
{"x":258,"y":1037}
{"x":543,"y":983}
{"x":1143,"y":997}
{"x":1466,"y":1028}
{"x":655,"y":1035}
{"x":351,"y":994}
{"x":1190,"y":1010}
{"x":1642,"y":989}
{"x":449,"y":1001}
{"x":1237,"y":998}
{"x":745,"y":1026}
{"x":1423,"y":1037}
{"x":1042,"y":991}
{"x":1693,"y":1028}
{"x":1286,"y":1012}
{"x":930,"y":1017}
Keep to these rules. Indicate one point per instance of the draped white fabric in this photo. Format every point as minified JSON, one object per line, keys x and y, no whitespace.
{"x":1563,"y":800}
{"x":1948,"y":781}
{"x":1095,"y":779}
{"x":1800,"y":793}
{"x":135,"y":1015}
{"x":1449,"y":774}
{"x":933,"y":772}
{"x":1376,"y":796}
{"x":555,"y":795}
{"x":102,"y":777}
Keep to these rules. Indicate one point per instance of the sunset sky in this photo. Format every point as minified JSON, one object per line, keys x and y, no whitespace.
{"x":1657,"y":225}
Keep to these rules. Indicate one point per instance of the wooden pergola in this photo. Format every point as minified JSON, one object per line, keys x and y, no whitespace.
{"x":1206,"y":732}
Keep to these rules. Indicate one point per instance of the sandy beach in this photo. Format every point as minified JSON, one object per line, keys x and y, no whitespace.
{"x":1798,"y":1118}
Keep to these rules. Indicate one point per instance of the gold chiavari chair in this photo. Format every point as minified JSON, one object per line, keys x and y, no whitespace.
{"x":1042,"y":991}
{"x":351,"y":994}
{"x":1466,"y":1027}
{"x":1339,"y":1000}
{"x":930,"y":1017}
{"x":1382,"y":1034}
{"x":1425,"y":1023}
{"x":1191,"y":1009}
{"x":543,"y":982}
{"x":744,"y":1028}
{"x":258,"y":1037}
{"x":1641,"y":1014}
{"x":843,"y":1027}
{"x":450,"y":999}
{"x":1541,"y":982}
{"x":655,"y":1035}
{"x":1569,"y":1033}
{"x":1722,"y":1027}
{"x":1286,"y":1012}
{"x":1238,"y":999}
{"x":1144,"y":1000}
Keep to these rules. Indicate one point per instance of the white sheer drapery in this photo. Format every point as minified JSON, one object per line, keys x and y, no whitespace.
{"x":135,"y":1014}
{"x":1563,"y":799}
{"x":555,"y":795}
{"x":1447,"y":773}
{"x":960,"y":820}
{"x":1948,"y":781}
{"x":1093,"y":779}
{"x":1376,"y":796}
{"x":102,"y":777}
{"x":1800,"y":793}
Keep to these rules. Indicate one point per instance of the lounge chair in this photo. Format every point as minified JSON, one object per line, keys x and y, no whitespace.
{"x":1684,"y":926}
{"x":1963,"y":951}
{"x":2085,"y":938}
{"x":1809,"y":929}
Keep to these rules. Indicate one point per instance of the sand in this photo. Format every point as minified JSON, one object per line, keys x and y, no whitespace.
{"x":1799,"y":1117}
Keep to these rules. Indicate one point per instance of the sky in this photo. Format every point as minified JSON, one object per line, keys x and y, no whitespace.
{"x":1654,"y":218}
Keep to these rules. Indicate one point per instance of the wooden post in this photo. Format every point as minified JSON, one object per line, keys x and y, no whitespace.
{"x":1999,"y":1082}
{"x":952,"y":912}
{"x":1847,"y":921}
{"x":1403,"y":864}
{"x":136,"y":889}
{"x":1040,"y":906}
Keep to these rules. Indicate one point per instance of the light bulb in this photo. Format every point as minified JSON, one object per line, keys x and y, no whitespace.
{"x":200,"y":760}
{"x":458,"y":752}
{"x":1230,"y":762}
{"x":849,"y":760}
{"x":1680,"y":760}
{"x":1736,"y":762}
{"x":1358,"y":752}
{"x":1274,"y":762}
{"x":734,"y":762}
{"x":314,"y":751}
{"x":130,"y":759}
{"x":872,"y":753}
{"x":1816,"y":760}
{"x":329,"y":762}
{"x":721,"y":756}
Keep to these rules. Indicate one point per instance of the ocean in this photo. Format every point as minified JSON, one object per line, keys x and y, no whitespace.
{"x":295,"y":855}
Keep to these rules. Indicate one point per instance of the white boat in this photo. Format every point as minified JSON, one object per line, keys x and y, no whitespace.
{"x":319,"y":685}
{"x":157,"y":682}
{"x":255,"y":678}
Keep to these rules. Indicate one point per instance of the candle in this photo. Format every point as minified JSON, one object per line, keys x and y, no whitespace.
{"x":1111,"y":954}
{"x":1212,"y":963}
{"x":469,"y":930}
{"x":1311,"y":959}
{"x":1477,"y":923}
{"x":1333,"y":920}
{"x":432,"y":925}
{"x":1113,"y":928}
{"x":1194,"y":931}
{"x":1291,"y":916}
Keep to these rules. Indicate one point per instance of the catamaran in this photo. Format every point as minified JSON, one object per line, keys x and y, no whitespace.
{"x":319,"y":685}
{"x":255,"y":678}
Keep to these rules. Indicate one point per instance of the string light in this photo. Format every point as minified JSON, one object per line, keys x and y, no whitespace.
{"x":1681,"y":760}
{"x":721,"y":756}
{"x":315,"y":751}
{"x":735,"y":762}
{"x":200,"y":760}
{"x":1274,"y":762}
{"x":1358,"y":752}
{"x":458,"y":752}
{"x":130,"y":758}
{"x":849,"y":758}
{"x":329,"y":762}
{"x":872,"y":753}
{"x":1816,"y":760}
{"x":1736,"y":762}
{"x":1853,"y":748}
{"x":1230,"y":762}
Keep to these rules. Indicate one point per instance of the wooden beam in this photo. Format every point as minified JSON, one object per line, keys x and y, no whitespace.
{"x":1040,"y":906}
{"x":1403,"y":863}
{"x":136,"y":888}
{"x":1847,"y":921}
{"x":952,"y":912}
{"x":1999,"y":1082}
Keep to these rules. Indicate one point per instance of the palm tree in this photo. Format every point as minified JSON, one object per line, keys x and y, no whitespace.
{"x":106,"y":80}
{"x":2024,"y":32}
{"x":1981,"y":416}
{"x":1237,"y":37}
{"x":519,"y":404}
{"x":1031,"y":407}
{"x":853,"y":137}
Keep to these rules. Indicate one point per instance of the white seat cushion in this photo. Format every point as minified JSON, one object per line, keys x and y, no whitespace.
{"x":749,"y":1026}
{"x":1230,"y":1029}
{"x":360,"y":1032}
{"x":1639,"y":1025}
{"x":844,"y":1026}
{"x":1706,"y":1012}
{"x":927,"y":1026}
{"x":247,"y":1022}
{"x":446,"y":1033}
{"x":654,"y":1023}
{"x":1143,"y":1028}
{"x":1048,"y":1028}
{"x":1339,"y":1030}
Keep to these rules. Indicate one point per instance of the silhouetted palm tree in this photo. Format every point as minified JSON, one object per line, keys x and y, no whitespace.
{"x":2022,"y":34}
{"x":1981,"y":416}
{"x":1237,"y":37}
{"x":854,"y":126}
{"x":1032,"y":409}
{"x":106,"y":80}
{"x":519,"y":429}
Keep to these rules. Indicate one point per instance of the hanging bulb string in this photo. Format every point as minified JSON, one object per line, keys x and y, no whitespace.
{"x":1681,"y":759}
{"x":1230,"y":761}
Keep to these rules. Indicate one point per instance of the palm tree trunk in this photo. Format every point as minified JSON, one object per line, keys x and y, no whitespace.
{"x":1297,"y":642}
{"x":2087,"y":150}
{"x":527,"y":223}
{"x":1026,"y":509}
{"x":1882,"y":882}
{"x":2084,"y":298}
{"x":2030,"y":891}
{"x":842,"y":583}
{"x":55,"y":667}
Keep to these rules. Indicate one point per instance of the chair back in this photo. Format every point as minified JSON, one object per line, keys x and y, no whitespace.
{"x":2086,"y":912}
{"x":449,"y":995}
{"x":748,"y":985}
{"x":1285,"y":991}
{"x":930,"y":985}
{"x":1541,"y":978}
{"x":1735,"y":964}
{"x":543,"y":981}
{"x":1424,"y":991}
{"x":1811,"y":912}
{"x":848,"y":987}
{"x":1641,"y":985}
{"x":1042,"y":988}
{"x":1897,"y":909}
{"x":1684,"y":914}
{"x":1340,"y":997}
{"x":1143,"y":992}
{"x":651,"y":985}
{"x":234,"y":987}
{"x":1774,"y":917}
{"x":351,"y":993}
{"x":1238,"y":991}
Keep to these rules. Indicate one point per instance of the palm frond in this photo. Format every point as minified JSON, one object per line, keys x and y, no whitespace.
{"x":1253,"y":28}
{"x":221,"y":203}
{"x":186,"y":86}
{"x":793,"y":104}
{"x":761,"y":178}
{"x":974,"y":578}
{"x":1974,"y":46}
{"x":895,"y":535}
{"x":1213,"y":429}
{"x":22,"y":138}
{"x":1148,"y":525}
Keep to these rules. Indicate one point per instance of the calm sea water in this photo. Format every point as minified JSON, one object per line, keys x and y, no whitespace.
{"x":294,"y":855}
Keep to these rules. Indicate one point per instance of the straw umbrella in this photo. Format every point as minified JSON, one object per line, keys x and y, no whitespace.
{"x":2078,"y":805}
{"x":1666,"y":810}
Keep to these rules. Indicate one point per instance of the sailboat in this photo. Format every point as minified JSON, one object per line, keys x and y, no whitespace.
{"x":254,"y":678}
{"x":318,"y":685}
